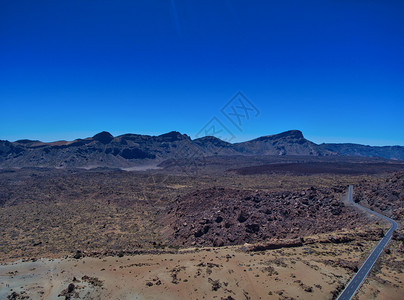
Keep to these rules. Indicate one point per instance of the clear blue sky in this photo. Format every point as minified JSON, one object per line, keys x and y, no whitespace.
{"x":333,"y":69}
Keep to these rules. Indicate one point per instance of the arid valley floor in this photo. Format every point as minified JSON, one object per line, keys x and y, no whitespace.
{"x":163,"y":234}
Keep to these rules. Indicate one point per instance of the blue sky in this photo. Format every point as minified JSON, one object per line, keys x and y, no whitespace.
{"x":332,"y":69}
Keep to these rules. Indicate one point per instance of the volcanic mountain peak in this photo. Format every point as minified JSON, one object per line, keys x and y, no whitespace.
{"x":207,"y":138}
{"x":211,"y":139}
{"x":291,"y":134}
{"x":103,"y":137}
{"x":173,"y":136}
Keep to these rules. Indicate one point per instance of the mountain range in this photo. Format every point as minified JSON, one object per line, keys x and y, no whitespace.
{"x":130,"y":150}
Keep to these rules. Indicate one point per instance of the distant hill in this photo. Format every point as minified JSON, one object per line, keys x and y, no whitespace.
{"x":129,"y":150}
{"x":388,"y":152}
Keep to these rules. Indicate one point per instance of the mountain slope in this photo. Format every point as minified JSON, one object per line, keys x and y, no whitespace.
{"x":286,"y":143}
{"x":129,"y":150}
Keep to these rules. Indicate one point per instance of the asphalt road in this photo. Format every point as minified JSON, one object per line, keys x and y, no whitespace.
{"x":357,"y":280}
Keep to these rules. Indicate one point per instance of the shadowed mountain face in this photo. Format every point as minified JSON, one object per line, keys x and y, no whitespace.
{"x":286,"y":143}
{"x":389,"y":152}
{"x":128,"y":150}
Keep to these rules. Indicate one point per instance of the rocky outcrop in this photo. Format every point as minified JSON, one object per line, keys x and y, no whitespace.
{"x":385,"y":197}
{"x":218,"y":216}
{"x":277,"y":244}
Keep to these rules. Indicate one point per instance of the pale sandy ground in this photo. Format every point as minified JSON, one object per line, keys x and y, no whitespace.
{"x":271,"y":274}
{"x":385,"y":281}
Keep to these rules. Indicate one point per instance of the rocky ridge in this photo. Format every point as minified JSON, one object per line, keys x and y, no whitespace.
{"x":129,"y":150}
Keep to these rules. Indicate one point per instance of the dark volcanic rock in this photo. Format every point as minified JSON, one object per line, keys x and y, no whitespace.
{"x":103,"y":137}
{"x":242,"y":217}
{"x":78,"y":254}
{"x":219,"y":216}
{"x":386,"y":197}
{"x":134,"y":153}
{"x":252,"y":228}
{"x":276,"y":245}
